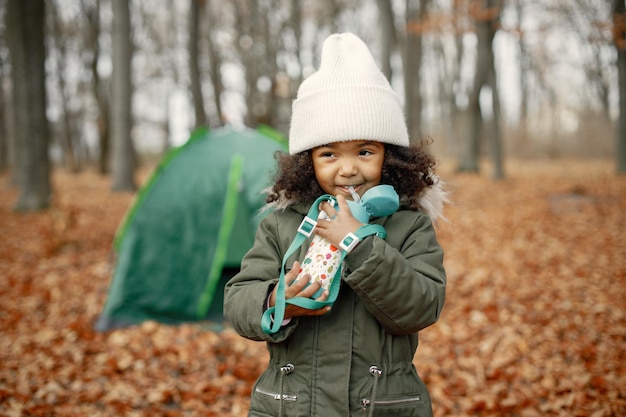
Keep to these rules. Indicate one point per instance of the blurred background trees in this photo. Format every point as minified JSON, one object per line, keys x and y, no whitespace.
{"x":126,"y":79}
{"x":122,"y":150}
{"x":25,"y":38}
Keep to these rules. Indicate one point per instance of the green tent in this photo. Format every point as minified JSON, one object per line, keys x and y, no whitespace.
{"x":189,"y":227}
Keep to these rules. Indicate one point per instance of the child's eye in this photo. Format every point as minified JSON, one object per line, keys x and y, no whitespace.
{"x":365,"y":152}
{"x":327,"y":155}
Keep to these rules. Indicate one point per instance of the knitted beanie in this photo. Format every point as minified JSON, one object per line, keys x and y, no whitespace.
{"x":348,"y":98}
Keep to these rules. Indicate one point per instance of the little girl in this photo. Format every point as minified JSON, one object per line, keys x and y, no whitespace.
{"x":354,"y":357}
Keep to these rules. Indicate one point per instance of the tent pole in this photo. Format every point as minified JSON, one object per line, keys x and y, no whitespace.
{"x":229,"y":213}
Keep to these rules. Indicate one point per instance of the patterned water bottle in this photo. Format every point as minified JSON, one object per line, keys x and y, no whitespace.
{"x":323,"y":259}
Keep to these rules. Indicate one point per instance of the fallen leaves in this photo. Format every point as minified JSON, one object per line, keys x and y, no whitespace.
{"x":535,"y":307}
{"x":534,"y":322}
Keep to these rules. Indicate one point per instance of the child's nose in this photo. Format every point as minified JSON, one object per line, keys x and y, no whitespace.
{"x":348,"y":168}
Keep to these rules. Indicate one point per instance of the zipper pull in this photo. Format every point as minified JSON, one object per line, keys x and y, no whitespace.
{"x":375,"y":371}
{"x":287,"y":369}
{"x":365,"y":403}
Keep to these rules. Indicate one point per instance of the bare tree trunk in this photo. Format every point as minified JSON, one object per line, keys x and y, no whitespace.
{"x":413,"y":67}
{"x":99,"y":91}
{"x":486,"y":20}
{"x":215,"y":62}
{"x":471,"y":150}
{"x":388,"y":31}
{"x":25,"y":35}
{"x":285,"y":87}
{"x":296,"y":25}
{"x":471,"y":146}
{"x":67,"y":132}
{"x":195,"y":9}
{"x":334,"y":10}
{"x":524,"y":67}
{"x":247,"y":12}
{"x":272,"y":46}
{"x":495,"y":135}
{"x":4,"y":142}
{"x":619,"y":30}
{"x":449,"y":76}
{"x":122,"y":153}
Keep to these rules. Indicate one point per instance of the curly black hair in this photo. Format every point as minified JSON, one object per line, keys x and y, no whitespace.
{"x":408,"y":169}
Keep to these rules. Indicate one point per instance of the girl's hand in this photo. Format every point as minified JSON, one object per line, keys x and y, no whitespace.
{"x":341,"y":222}
{"x":299,"y":288}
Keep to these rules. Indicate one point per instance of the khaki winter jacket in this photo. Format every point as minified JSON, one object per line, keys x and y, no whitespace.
{"x":361,"y":351}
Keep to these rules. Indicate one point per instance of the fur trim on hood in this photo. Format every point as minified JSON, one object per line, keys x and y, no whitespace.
{"x":434,"y":199}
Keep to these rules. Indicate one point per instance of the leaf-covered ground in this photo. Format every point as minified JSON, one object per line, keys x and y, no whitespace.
{"x":534,"y":323}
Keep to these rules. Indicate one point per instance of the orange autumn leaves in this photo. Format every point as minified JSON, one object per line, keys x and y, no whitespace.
{"x":534,"y":322}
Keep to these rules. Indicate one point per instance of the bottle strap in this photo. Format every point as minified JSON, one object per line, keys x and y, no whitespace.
{"x":273,"y":317}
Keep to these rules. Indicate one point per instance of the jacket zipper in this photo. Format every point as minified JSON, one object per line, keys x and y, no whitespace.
{"x":366,"y":402}
{"x":276,"y":396}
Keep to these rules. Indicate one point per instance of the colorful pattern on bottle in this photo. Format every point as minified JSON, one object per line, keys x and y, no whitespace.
{"x":321,"y":262}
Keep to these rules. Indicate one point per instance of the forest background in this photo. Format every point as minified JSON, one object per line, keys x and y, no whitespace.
{"x":105,"y":82}
{"x":92,"y":93}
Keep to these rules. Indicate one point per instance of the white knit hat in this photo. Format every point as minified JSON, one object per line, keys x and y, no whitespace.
{"x":348,"y":98}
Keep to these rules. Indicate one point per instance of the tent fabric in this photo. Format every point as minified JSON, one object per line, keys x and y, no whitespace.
{"x":189,"y":227}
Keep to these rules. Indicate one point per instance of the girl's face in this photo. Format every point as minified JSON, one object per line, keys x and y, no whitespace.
{"x":356,"y":163}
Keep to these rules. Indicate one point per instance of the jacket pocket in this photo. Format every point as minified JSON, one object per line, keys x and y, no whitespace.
{"x":276,"y":394}
{"x":267,"y":394}
{"x":405,"y":406}
{"x":401,"y":395}
{"x":267,"y":401}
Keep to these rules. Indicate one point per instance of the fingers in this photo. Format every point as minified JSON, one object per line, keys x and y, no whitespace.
{"x":294,"y":285}
{"x":301,"y":288}
{"x":329,"y":209}
{"x":289,"y":279}
{"x":295,"y":311}
{"x":342,"y":204}
{"x":298,"y":286}
{"x":332,"y":211}
{"x":292,"y":274}
{"x":323,"y":296}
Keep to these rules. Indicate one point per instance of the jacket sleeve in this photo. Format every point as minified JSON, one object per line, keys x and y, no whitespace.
{"x":246,"y":293}
{"x":401,"y":280}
